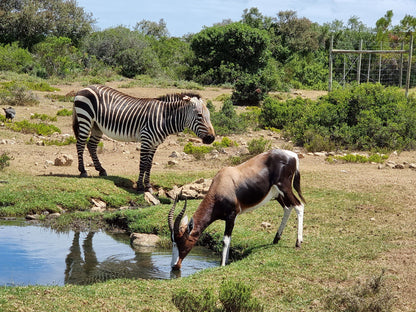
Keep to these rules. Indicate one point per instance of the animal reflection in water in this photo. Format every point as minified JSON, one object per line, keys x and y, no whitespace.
{"x":84,"y":268}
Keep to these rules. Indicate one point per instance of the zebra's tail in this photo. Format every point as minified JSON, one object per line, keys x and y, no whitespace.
{"x":75,"y":123}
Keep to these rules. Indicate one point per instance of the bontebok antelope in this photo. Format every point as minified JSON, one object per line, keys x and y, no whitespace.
{"x":234,"y":190}
{"x":102,"y":110}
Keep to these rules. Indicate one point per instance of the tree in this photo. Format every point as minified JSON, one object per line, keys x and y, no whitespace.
{"x":293,"y":35}
{"x":31,"y":21}
{"x":149,"y":28}
{"x":223,"y":53}
{"x":123,"y":48}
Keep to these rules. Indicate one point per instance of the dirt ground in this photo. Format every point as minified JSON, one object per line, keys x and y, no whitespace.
{"x":123,"y":159}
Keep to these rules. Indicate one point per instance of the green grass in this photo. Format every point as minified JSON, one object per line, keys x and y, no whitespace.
{"x":341,"y":245}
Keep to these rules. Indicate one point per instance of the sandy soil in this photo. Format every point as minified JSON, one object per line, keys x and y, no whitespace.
{"x":123,"y":159}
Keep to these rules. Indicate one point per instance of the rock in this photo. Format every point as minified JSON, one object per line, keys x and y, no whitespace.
{"x":412,"y":166}
{"x":151,"y":199}
{"x":144,"y":240}
{"x":54,"y":215}
{"x":99,"y":205}
{"x":174,"y":154}
{"x":172,"y":162}
{"x":194,"y":140}
{"x":197,"y":189}
{"x":265,"y":225}
{"x":398,"y":166}
{"x":390,"y":164}
{"x":32,"y":217}
{"x":64,"y":160}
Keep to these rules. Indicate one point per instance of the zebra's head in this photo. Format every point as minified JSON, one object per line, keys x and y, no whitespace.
{"x":199,"y":119}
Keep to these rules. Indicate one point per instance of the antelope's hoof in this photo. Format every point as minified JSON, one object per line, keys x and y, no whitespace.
{"x":276,"y":240}
{"x":298,"y":243}
{"x":103,"y":173}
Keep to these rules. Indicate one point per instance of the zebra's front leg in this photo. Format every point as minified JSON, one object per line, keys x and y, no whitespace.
{"x":146,"y":159}
{"x":92,"y":148}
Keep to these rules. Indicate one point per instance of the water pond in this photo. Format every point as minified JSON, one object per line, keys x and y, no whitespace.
{"x":35,"y":255}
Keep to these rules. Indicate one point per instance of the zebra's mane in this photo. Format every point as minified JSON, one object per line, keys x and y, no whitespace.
{"x":177,"y":96}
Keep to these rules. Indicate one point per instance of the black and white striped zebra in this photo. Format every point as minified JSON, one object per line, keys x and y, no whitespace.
{"x":102,"y":110}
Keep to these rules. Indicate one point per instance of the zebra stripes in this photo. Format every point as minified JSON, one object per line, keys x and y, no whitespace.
{"x":102,"y":110}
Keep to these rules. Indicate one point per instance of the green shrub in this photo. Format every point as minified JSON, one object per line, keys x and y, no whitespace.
{"x":236,"y":297}
{"x":225,"y":142}
{"x":4,"y":161}
{"x":258,"y":146}
{"x":198,"y":151}
{"x":14,"y":58}
{"x":43,"y":117}
{"x":64,"y":141}
{"x":363,"y":117}
{"x":27,"y":127}
{"x":278,"y":114}
{"x":13,"y":94}
{"x":233,"y":296}
{"x":64,"y":112}
{"x":226,"y":121}
{"x":186,"y":301}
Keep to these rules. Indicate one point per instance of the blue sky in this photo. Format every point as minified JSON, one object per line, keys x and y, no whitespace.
{"x":189,"y":16}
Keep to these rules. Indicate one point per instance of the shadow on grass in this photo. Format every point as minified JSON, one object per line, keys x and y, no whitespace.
{"x":124,"y":183}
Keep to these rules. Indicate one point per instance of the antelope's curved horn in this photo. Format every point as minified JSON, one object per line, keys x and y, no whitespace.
{"x":170,"y":215}
{"x":178,"y":219}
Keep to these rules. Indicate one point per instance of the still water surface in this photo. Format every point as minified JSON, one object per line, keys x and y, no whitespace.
{"x":34,"y":255}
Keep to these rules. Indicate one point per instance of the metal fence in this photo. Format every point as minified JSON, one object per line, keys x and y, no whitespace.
{"x":388,"y":67}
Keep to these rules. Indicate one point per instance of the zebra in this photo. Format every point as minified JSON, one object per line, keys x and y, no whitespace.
{"x":102,"y":110}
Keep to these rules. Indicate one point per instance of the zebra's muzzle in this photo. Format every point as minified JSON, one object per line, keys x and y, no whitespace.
{"x":208,"y":139}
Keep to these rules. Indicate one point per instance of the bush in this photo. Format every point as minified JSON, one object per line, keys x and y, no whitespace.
{"x":364,"y":117}
{"x":277,"y":114}
{"x":57,"y":57}
{"x":4,"y":161}
{"x":369,"y":296}
{"x":224,"y":52}
{"x":236,"y":297}
{"x":227,"y":121}
{"x":17,"y":95}
{"x":258,"y":146}
{"x":122,"y":48}
{"x":198,"y":151}
{"x":15,"y":59}
{"x":188,"y":302}
{"x":27,"y":127}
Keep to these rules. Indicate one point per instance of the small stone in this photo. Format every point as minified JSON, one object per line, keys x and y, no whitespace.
{"x":144,"y":240}
{"x":151,"y":199}
{"x":265,"y":225}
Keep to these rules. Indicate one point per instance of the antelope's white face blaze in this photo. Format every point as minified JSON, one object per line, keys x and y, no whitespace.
{"x":175,"y":254}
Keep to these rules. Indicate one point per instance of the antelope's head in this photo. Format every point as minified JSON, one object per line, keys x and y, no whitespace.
{"x":182,"y":242}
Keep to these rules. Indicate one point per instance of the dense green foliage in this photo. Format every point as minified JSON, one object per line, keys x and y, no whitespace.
{"x":368,"y":116}
{"x":233,"y":296}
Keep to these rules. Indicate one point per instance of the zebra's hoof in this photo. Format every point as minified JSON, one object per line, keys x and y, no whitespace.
{"x":103,"y":173}
{"x":83,"y":175}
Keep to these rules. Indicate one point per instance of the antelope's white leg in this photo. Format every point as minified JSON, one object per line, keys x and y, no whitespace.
{"x":286,"y":215}
{"x":299,"y":211}
{"x":226,"y":249}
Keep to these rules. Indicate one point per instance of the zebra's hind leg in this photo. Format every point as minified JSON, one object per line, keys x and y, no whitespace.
{"x":95,"y":138}
{"x":80,"y":152}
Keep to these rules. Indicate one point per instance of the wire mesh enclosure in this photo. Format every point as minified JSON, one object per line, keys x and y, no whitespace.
{"x":388,"y":65}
